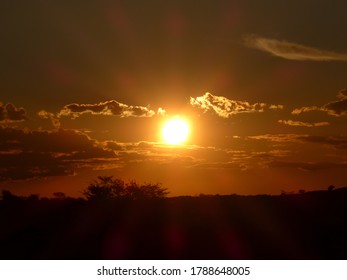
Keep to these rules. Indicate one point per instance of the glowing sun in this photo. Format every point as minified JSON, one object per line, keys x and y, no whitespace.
{"x":175,"y":131}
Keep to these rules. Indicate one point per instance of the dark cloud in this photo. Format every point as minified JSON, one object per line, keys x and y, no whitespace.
{"x":130,"y":146}
{"x":30,"y":165}
{"x":225,"y":107}
{"x":26,"y":154}
{"x":9,"y":113}
{"x":112,"y":145}
{"x":338,"y":108}
{"x":56,"y":141}
{"x":292,"y":51}
{"x":37,"y":154}
{"x":334,"y":108}
{"x":337,"y":142}
{"x":270,"y":154}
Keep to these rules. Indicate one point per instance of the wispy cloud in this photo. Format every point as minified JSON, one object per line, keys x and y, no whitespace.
{"x":225,"y":107}
{"x":280,"y":138}
{"x":222,"y":165}
{"x":9,"y":113}
{"x":334,"y":108}
{"x":305,"y":124}
{"x":292,"y":51}
{"x":337,"y":142}
{"x":307,"y":166}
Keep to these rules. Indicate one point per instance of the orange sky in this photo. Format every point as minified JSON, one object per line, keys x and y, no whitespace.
{"x":86,"y":89}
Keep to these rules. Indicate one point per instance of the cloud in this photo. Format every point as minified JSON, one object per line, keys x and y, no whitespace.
{"x":32,"y":154}
{"x":292,"y":51}
{"x":276,"y":107}
{"x":307,"y":166}
{"x":108,"y":108}
{"x":337,"y":142}
{"x":38,"y":154}
{"x":161,"y":112}
{"x":301,"y":110}
{"x":112,"y":145}
{"x":225,"y":107}
{"x":191,"y":156}
{"x":277,"y":137}
{"x":47,"y":115}
{"x":305,"y":124}
{"x":334,"y":108}
{"x":9,"y":113}
{"x":30,"y":165}
{"x":222,"y":165}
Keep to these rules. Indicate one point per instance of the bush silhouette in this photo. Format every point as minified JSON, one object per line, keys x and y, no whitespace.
{"x":107,"y":188}
{"x":7,"y":196}
{"x":331,"y":187}
{"x":59,"y":195}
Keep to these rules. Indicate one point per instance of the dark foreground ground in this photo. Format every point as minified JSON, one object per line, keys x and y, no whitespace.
{"x":306,"y":226}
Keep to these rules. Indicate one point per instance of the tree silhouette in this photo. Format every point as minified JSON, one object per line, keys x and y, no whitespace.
{"x":33,"y":198}
{"x":7,"y":196}
{"x":107,"y":188}
{"x":59,"y":195}
{"x":135,"y":191}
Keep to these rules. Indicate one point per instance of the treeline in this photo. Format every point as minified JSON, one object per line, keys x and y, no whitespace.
{"x":104,"y":188}
{"x":128,"y":220}
{"x":107,"y":188}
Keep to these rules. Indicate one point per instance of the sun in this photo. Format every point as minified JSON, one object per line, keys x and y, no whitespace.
{"x":175,"y":131}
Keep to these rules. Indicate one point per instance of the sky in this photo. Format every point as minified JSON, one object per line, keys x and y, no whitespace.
{"x":87,"y":86}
